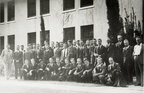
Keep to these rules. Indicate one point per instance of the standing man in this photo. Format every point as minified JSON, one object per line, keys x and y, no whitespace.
{"x":71,"y":50}
{"x":7,"y":56}
{"x":119,"y":51}
{"x":138,"y":63}
{"x":18,"y":61}
{"x":64,"y":52}
{"x":23,"y":52}
{"x":110,"y":51}
{"x":128,"y":62}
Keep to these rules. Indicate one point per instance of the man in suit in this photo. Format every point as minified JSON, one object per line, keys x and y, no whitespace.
{"x":28,"y":55}
{"x":57,"y":50}
{"x":110,"y":50}
{"x":48,"y":53}
{"x":119,"y":50}
{"x":71,"y":50}
{"x":100,"y":50}
{"x":86,"y":50}
{"x":23,"y":51}
{"x":64,"y":52}
{"x":39,"y":54}
{"x":138,"y":62}
{"x":18,"y":61}
{"x":128,"y":61}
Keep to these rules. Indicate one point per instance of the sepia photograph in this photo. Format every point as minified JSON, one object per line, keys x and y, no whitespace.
{"x":71,"y":46}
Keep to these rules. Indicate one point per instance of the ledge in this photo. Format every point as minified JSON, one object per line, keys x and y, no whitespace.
{"x":9,"y":22}
{"x":29,"y":18}
{"x":66,"y":11}
{"x":86,"y":7}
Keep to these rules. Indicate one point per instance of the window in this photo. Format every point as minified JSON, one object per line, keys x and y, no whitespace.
{"x":68,"y":4}
{"x":11,"y":10}
{"x":1,"y":12}
{"x":47,"y":37}
{"x":32,"y":38}
{"x":69,"y":34}
{"x":44,"y":6}
{"x":87,"y":32}
{"x":85,"y":3}
{"x":31,"y":8}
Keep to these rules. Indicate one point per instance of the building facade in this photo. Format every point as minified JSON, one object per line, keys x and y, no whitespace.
{"x":64,"y":19}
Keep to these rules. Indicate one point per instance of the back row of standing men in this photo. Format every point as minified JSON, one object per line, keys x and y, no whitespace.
{"x":125,"y":55}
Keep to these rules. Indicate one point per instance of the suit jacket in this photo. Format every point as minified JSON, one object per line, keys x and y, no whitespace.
{"x":46,"y":55}
{"x":28,"y":55}
{"x":128,"y":55}
{"x":110,"y":51}
{"x":57,"y":52}
{"x":100,"y":51}
{"x":64,"y":54}
{"x":28,"y":68}
{"x":18,"y":55}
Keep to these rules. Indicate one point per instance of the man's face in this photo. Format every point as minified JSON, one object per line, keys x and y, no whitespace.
{"x":119,"y":38}
{"x":87,"y":42}
{"x":126,"y":43}
{"x":111,"y":60}
{"x":22,"y":47}
{"x":138,"y":40}
{"x":17,"y":47}
{"x":64,"y":45}
{"x":99,"y":42}
{"x":8,"y":46}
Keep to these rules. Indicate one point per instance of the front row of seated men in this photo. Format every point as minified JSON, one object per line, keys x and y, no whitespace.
{"x":74,"y":71}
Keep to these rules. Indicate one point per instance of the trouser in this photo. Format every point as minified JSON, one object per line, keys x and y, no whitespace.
{"x":138,"y":70}
{"x":87,"y":77}
{"x":26,"y":75}
{"x":41,"y":74}
{"x":18,"y":69}
{"x":7,"y":69}
{"x":34,"y":75}
{"x":127,"y":66}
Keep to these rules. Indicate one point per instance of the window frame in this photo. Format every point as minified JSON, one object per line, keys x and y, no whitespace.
{"x":9,"y":12}
{"x":48,"y":6}
{"x":84,"y":6}
{"x":29,"y":7}
{"x":2,"y":11}
{"x":64,"y":1}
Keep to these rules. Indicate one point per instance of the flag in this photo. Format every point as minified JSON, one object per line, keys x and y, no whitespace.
{"x":42,"y":31}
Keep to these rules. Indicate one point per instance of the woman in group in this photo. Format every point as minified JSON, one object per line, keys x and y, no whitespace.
{"x":114,"y":76}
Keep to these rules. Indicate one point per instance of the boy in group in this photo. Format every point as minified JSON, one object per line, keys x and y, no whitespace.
{"x":99,"y":71}
{"x":65,"y":70}
{"x":26,"y":70}
{"x":33,"y":71}
{"x":51,"y":70}
{"x":79,"y":71}
{"x":72,"y":70}
{"x":87,"y":73}
{"x":41,"y":70}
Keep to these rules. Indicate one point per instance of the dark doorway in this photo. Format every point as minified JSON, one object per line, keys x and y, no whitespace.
{"x":11,"y":41}
{"x":47,"y":36}
{"x":1,"y":43}
{"x":32,"y":38}
{"x":69,"y":34}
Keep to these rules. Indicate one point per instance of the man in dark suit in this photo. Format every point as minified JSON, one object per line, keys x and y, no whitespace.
{"x":18,"y":61}
{"x":110,"y":50}
{"x":64,"y":52}
{"x":100,"y":50}
{"x":71,"y":50}
{"x":39,"y":54}
{"x":28,"y":55}
{"x":128,"y":61}
{"x":48,"y":53}
{"x":119,"y":51}
{"x":57,"y":50}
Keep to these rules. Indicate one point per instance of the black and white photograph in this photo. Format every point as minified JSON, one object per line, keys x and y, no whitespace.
{"x":71,"y":46}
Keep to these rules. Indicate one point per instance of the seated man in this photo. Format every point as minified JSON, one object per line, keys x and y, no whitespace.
{"x":114,"y":76}
{"x":79,"y":71}
{"x":99,"y":71}
{"x":87,"y":73}
{"x":65,"y":70}
{"x":58,"y":68}
{"x":72,"y":70}
{"x":33,"y":71}
{"x":51,"y":70}
{"x":26,"y":70}
{"x":41,"y":70}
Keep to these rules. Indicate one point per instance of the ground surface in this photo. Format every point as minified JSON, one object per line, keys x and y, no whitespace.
{"x":21,"y":86}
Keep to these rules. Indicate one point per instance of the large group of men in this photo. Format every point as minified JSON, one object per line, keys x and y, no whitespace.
{"x":87,"y":62}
